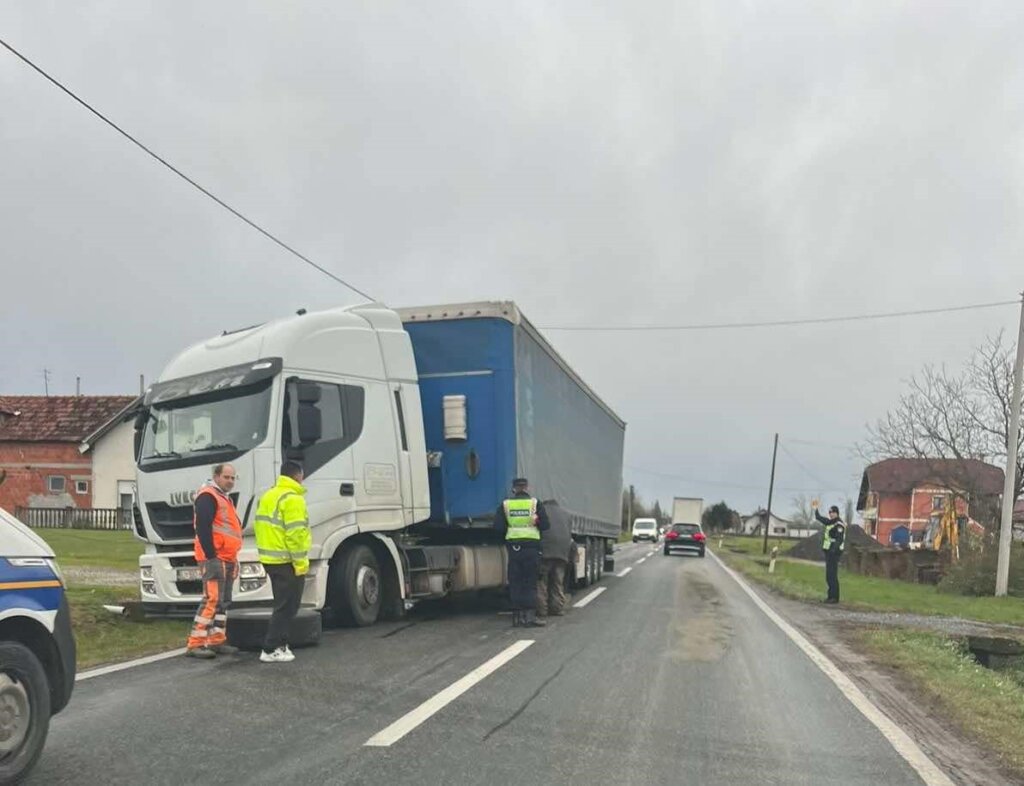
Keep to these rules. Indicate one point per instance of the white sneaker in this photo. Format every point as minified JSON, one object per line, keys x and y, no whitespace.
{"x":280,"y":655}
{"x":289,"y":651}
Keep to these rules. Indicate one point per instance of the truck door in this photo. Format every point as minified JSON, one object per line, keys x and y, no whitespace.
{"x":322,"y":420}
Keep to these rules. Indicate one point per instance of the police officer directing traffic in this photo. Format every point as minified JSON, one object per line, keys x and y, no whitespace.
{"x":520,"y":519}
{"x":832,"y":543}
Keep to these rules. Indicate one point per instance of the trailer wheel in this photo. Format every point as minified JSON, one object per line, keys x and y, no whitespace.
{"x":24,"y":710}
{"x":361,"y":588}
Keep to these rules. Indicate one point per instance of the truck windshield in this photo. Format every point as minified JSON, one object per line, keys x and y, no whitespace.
{"x":230,"y":422}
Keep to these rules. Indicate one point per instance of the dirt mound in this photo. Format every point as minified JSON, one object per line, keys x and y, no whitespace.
{"x":810,"y":547}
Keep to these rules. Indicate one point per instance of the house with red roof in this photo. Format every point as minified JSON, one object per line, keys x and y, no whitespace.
{"x":46,"y":461}
{"x":900,"y":498}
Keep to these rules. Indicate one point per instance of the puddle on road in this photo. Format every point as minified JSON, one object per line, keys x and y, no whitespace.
{"x":702,"y":626}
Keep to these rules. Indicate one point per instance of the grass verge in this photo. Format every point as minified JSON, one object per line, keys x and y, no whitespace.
{"x":94,"y":548}
{"x":806,"y":581}
{"x":988,"y":705}
{"x":103,"y":637}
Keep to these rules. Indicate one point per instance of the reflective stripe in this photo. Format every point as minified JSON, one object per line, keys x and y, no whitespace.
{"x":41,"y":584}
{"x":204,"y":620}
{"x":297,"y":555}
{"x":199,"y":633}
{"x":272,"y":553}
{"x":280,"y":524}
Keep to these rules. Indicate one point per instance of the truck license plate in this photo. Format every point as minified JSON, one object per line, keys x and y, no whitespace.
{"x":190,"y":574}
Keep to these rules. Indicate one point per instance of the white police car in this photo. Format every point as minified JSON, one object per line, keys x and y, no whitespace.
{"x":37,"y":649}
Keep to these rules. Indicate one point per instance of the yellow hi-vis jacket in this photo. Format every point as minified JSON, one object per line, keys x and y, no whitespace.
{"x":282,"y":526}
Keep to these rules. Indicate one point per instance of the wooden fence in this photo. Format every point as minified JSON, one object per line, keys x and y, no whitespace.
{"x":75,"y":518}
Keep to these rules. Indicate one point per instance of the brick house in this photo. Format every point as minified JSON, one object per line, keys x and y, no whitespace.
{"x":41,"y":461}
{"x":901,"y":497}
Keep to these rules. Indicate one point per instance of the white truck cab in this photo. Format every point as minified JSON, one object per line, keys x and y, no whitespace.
{"x":345,"y":381}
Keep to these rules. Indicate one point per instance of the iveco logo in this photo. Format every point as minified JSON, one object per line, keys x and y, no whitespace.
{"x":180,"y":499}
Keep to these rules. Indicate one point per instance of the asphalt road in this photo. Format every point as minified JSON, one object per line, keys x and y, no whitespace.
{"x":672,"y":675}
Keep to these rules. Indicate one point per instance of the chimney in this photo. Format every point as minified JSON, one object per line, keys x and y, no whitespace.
{"x":78,"y":386}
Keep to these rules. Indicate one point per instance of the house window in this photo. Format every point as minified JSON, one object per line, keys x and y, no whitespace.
{"x":56,"y":484}
{"x":938,"y":502}
{"x":81,"y":487}
{"x":779,"y":530}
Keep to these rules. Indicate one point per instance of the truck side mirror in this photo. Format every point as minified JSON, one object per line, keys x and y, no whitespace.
{"x":310,"y":421}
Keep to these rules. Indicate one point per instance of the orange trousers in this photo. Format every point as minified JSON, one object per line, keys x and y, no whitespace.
{"x":211,"y":620}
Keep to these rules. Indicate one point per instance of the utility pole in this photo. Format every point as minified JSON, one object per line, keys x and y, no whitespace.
{"x":771,"y":490}
{"x":1009,"y":482}
{"x":629,"y":515}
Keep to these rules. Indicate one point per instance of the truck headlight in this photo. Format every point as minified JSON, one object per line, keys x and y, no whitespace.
{"x":251,"y":570}
{"x":146,"y":573}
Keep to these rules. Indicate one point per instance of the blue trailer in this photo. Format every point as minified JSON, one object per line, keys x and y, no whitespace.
{"x":526,"y":413}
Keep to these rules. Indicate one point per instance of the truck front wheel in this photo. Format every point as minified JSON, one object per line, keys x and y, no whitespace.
{"x":358,"y":592}
{"x":24,"y":710}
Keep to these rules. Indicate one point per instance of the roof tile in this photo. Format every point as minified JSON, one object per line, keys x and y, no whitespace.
{"x":56,"y":418}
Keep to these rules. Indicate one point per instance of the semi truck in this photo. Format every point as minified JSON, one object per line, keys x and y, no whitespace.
{"x":687,"y":510}
{"x":410,"y":425}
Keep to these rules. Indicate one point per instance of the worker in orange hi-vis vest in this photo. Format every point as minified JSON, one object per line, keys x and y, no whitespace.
{"x":217,"y":542}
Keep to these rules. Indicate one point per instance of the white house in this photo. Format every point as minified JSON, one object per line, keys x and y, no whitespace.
{"x":113,"y":461}
{"x":780,"y":527}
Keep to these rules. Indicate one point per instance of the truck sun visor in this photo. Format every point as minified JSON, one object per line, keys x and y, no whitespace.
{"x":213,"y":381}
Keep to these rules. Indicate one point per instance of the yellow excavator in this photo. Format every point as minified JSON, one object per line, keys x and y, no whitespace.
{"x":947,"y":532}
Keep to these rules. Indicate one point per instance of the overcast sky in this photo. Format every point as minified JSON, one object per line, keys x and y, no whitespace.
{"x":630,"y":163}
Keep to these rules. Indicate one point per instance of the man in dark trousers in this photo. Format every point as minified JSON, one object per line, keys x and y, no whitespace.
{"x":283,"y":539}
{"x":833,"y":540}
{"x":520,"y":520}
{"x":555,"y":547}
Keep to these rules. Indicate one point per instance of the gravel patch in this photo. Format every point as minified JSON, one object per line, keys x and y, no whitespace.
{"x":954,"y":626}
{"x":108,"y":577}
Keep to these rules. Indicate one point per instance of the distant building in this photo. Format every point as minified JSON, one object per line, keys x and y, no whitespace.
{"x":41,"y":455}
{"x":780,"y":527}
{"x":901,"y":497}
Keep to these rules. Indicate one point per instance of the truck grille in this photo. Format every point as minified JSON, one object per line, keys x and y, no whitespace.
{"x":171,"y":523}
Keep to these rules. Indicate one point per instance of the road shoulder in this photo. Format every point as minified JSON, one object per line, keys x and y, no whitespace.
{"x":949,"y":746}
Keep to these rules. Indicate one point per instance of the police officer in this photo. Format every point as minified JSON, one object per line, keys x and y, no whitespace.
{"x":520,"y":519}
{"x":832,"y":543}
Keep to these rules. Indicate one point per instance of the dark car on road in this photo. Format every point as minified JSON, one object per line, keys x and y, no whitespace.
{"x":685,"y":539}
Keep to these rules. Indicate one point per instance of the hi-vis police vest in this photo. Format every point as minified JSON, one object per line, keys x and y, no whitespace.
{"x":834,"y":531}
{"x":521,"y":515}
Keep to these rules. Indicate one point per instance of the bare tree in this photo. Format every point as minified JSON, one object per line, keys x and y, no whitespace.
{"x":953,"y":415}
{"x":802,"y":514}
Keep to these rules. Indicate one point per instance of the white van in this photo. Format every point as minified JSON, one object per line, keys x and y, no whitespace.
{"x":645,"y":529}
{"x":37,"y":649}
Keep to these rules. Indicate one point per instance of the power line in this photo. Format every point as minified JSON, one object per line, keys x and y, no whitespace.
{"x":725,"y":483}
{"x":781,"y":322}
{"x":815,"y":443}
{"x":800,"y":464}
{"x":267,"y":234}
